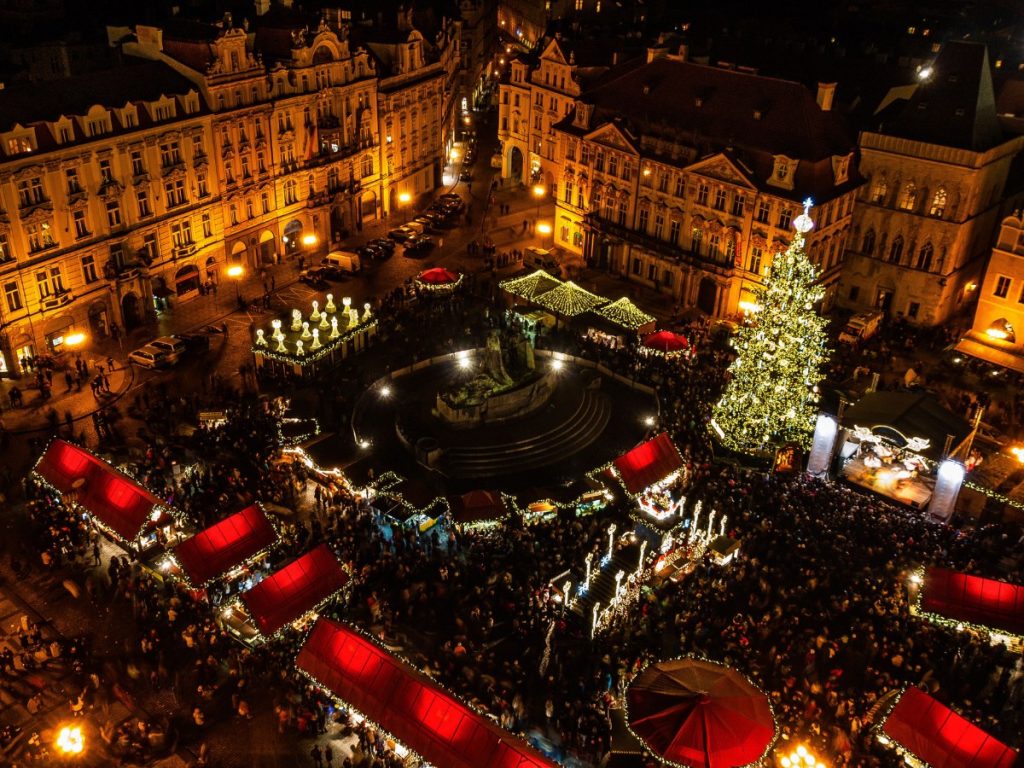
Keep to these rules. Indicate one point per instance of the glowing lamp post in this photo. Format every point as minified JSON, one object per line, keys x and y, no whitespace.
{"x":404,"y":198}
{"x":236,"y":272}
{"x":800,"y":757}
{"x":538,"y":192}
{"x":70,"y":741}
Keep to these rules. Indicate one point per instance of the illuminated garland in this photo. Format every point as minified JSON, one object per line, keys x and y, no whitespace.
{"x":439,"y":287}
{"x":569,"y":300}
{"x":773,"y":387}
{"x":692,"y":657}
{"x":994,"y":495}
{"x":958,"y":625}
{"x":296,"y":439}
{"x":532,"y":286}
{"x":625,"y":313}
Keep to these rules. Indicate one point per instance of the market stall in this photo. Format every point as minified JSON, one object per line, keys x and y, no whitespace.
{"x":964,"y":601}
{"x":437,"y":280}
{"x":527,"y":289}
{"x":303,"y":344}
{"x":286,"y":596}
{"x":928,"y":733}
{"x":665,"y":344}
{"x":424,"y":717}
{"x":478,"y":509}
{"x":697,"y":713}
{"x":653,"y":474}
{"x":232,"y":544}
{"x":626,"y":321}
{"x":569,"y":300}
{"x":895,"y":443}
{"x":119,"y":506}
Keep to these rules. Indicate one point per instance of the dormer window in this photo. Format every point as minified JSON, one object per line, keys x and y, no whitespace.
{"x":840,"y":169}
{"x":96,"y":127}
{"x":783,"y":171}
{"x":17,"y":145}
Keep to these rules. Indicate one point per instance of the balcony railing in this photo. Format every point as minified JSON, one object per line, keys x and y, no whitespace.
{"x":656,"y":245}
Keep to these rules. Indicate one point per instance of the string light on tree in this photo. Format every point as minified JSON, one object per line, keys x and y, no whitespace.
{"x":773,"y":385}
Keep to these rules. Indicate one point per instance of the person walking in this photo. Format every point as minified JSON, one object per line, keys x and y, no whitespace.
{"x":328,"y":755}
{"x":318,"y":758}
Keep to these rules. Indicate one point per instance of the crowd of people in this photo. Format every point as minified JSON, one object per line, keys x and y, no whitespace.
{"x":815,"y":610}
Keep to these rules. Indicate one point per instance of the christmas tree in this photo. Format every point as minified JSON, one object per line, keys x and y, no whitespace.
{"x":772,"y":391}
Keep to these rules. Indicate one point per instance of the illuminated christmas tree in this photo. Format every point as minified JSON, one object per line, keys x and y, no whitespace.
{"x":773,"y":387}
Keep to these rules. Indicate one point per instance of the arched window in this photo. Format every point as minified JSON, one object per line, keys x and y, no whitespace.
{"x":924,"y":257}
{"x":909,"y":197}
{"x":868,"y":246}
{"x":896,"y":250}
{"x":880,"y":190}
{"x":938,"y":203}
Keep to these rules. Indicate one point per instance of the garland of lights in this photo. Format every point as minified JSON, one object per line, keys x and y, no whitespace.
{"x":625,"y":313}
{"x":994,"y":495}
{"x":773,"y":386}
{"x":439,"y":287}
{"x":695,"y":657}
{"x":958,"y":625}
{"x":569,"y":300}
{"x":296,"y":439}
{"x":532,"y":286}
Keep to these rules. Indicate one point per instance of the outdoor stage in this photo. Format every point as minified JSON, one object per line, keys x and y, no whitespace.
{"x":893,"y":482}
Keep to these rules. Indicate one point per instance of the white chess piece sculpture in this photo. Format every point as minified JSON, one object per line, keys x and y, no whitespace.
{"x":260,"y":341}
{"x":305,"y":331}
{"x":330,"y":304}
{"x":299,"y":351}
{"x":280,"y":344}
{"x":366,"y":312}
{"x":296,"y":319}
{"x":315,"y":315}
{"x":277,"y":334}
{"x":316,"y":339}
{"x":324,"y":324}
{"x":334,"y":328}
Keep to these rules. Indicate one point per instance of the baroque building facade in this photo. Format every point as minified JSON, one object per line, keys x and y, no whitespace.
{"x":682,"y":177}
{"x":127,"y":191}
{"x":937,"y":169}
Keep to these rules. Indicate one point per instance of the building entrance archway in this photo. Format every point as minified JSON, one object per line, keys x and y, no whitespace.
{"x":707,"y":296}
{"x":292,"y":237}
{"x":515,"y":165}
{"x":130,"y":311}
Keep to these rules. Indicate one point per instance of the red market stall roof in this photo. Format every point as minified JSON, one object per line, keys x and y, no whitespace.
{"x":476,"y":506}
{"x":408,"y":704}
{"x":110,"y":496}
{"x":648,"y":463}
{"x":438,"y":276}
{"x":224,"y":545}
{"x":940,"y":737}
{"x":297,"y":588}
{"x":973,"y":599}
{"x":666,"y":341}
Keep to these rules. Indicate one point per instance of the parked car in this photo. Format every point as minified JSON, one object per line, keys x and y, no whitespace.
{"x":541,"y":258}
{"x":428,"y":224}
{"x":455,"y":196}
{"x":384,"y":244}
{"x":148,"y":357}
{"x":400,"y":234}
{"x":171,"y":346}
{"x":371,"y":252}
{"x":196,"y":343}
{"x":466,"y":174}
{"x":341,"y":263}
{"x":314,"y":277}
{"x":418,"y":244}
{"x":861,"y":327}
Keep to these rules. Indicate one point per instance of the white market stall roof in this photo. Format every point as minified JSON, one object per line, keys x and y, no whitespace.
{"x":569,"y":300}
{"x":530,"y":286}
{"x":625,"y":313}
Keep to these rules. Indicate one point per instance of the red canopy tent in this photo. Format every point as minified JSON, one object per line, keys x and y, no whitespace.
{"x":973,"y":599}
{"x":219,"y":548}
{"x":116,"y":501}
{"x":940,"y":737}
{"x":408,"y":704}
{"x":477,"y":506}
{"x":666,"y":342}
{"x":297,"y":588}
{"x":701,"y":714}
{"x":648,"y":463}
{"x":438,"y":276}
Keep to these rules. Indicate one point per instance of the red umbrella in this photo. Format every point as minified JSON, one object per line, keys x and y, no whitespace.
{"x":438,"y":276}
{"x":666,"y":341}
{"x":700,"y":714}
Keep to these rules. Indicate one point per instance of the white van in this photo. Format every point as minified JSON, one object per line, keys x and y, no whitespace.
{"x":541,"y":258}
{"x":345,"y":262}
{"x":861,"y":327}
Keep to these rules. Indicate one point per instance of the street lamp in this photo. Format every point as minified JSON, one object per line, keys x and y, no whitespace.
{"x":235,"y":272}
{"x":70,"y":741}
{"x":544,"y":229}
{"x":404,"y":198}
{"x":538,"y":192}
{"x":75,"y":339}
{"x":800,"y":757}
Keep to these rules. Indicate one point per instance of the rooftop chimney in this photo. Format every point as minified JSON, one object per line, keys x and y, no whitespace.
{"x":826,"y":92}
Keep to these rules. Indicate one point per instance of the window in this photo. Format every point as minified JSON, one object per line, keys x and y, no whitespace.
{"x":96,"y":127}
{"x":71,"y":174}
{"x":785,"y":218}
{"x":568,"y":192}
{"x":854,"y":292}
{"x":367,"y":169}
{"x":138,"y":166}
{"x":909,"y":198}
{"x":673,"y":232}
{"x":170,"y":154}
{"x":613,"y":165}
{"x":599,"y":161}
{"x":30,"y":192}
{"x":142,"y":200}
{"x":570,"y":150}
{"x":579,"y":197}
{"x":754,"y":265}
{"x":737,"y":205}
{"x":5,"y":248}
{"x":781,"y":168}
{"x":1002,"y":286}
{"x":39,"y":236}
{"x":622,"y":213}
{"x":181,"y":233}
{"x":202,"y":186}
{"x":663,"y":182}
{"x":719,"y":200}
{"x":696,"y":237}
{"x":250,"y":211}
{"x":537,"y":122}
{"x":261,"y":163}
{"x":879,"y":191}
{"x":106,"y":175}
{"x":652,"y":272}
{"x":659,"y":226}
{"x":149,"y":247}
{"x":913,"y":309}
{"x":764,"y":211}
{"x":207,"y":225}
{"x":702,"y":194}
{"x":290,"y":192}
{"x":644,"y":219}
{"x":18,"y":145}
{"x":89,"y":269}
{"x":113,"y":214}
{"x":680,"y":186}
{"x":637,"y":266}
{"x":233,"y":214}
{"x":13,"y":296}
{"x":198,"y":150}
{"x":246,"y":174}
{"x":175,"y":193}
{"x":730,"y":249}
{"x":924,"y":257}
{"x":868,"y":245}
{"x":896,"y":250}
{"x":81,"y":226}
{"x":49,"y":283}
{"x":714,"y":243}
{"x":938,"y":203}
{"x":265,"y":202}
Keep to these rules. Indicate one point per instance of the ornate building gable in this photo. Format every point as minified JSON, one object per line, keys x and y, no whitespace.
{"x":613,"y":136}
{"x":722,"y":168}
